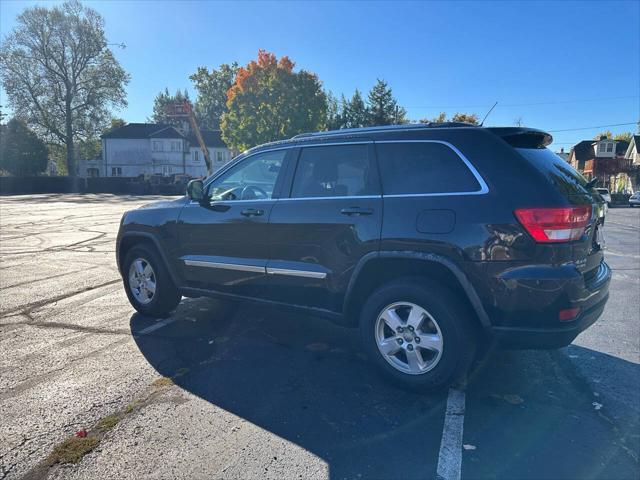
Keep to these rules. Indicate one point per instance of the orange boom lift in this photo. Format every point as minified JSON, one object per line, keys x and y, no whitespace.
{"x":184,"y":110}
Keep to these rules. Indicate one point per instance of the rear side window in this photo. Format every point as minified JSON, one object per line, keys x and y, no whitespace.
{"x":423,"y":168}
{"x":334,"y":171}
{"x":562,"y":175}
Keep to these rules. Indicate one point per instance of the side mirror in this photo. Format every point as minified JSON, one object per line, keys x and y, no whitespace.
{"x":195,"y":190}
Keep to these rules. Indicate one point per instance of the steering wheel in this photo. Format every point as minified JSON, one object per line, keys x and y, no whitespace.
{"x":257,"y":192}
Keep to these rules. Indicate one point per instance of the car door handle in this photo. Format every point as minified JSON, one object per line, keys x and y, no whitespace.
{"x":252,"y":212}
{"x":356,"y":211}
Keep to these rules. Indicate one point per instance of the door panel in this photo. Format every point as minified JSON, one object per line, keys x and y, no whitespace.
{"x":322,"y":246}
{"x":218,"y":241}
{"x":224,"y":241}
{"x":333,"y":219}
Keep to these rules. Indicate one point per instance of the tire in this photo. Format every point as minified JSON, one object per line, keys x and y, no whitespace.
{"x":446,"y":316}
{"x":165,"y":297}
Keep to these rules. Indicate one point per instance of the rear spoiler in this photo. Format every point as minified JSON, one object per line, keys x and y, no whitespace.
{"x":522,"y":137}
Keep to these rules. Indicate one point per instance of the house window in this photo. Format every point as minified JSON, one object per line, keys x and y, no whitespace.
{"x":175,"y":146}
{"x":116,"y":171}
{"x":219,"y":157}
{"x":609,"y":147}
{"x":167,"y":170}
{"x":157,"y":145}
{"x":196,"y":156}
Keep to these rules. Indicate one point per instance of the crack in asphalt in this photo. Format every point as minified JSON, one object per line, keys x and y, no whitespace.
{"x":42,"y":279}
{"x":30,"y":307}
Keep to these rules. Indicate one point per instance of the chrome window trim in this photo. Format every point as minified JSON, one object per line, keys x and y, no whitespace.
{"x":295,"y":273}
{"x":227,"y":266}
{"x":342,"y":197}
{"x":484,"y":188}
{"x":192,"y":202}
{"x":240,"y":158}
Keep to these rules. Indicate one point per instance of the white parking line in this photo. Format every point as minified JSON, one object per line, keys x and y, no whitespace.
{"x":155,"y":326}
{"x":450,"y":456}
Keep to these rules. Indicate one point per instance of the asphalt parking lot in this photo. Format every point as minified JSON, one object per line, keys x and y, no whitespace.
{"x":220,"y":392}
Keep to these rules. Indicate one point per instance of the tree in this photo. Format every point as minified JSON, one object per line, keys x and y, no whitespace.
{"x":471,"y":118}
{"x":92,"y":148}
{"x":160,"y":107}
{"x":355,"y":112}
{"x":59,"y":74}
{"x":605,"y":134}
{"x":21,"y":151}
{"x":625,"y":136}
{"x":334,"y":112}
{"x":212,"y":87}
{"x":383,"y":107}
{"x":269,"y":101}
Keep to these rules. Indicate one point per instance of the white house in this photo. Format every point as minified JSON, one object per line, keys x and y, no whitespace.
{"x":154,"y":149}
{"x":632,"y":152}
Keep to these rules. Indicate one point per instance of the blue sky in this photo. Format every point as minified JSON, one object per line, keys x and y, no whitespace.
{"x":578,"y":62}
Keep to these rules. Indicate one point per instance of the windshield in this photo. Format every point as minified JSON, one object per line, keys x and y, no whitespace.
{"x":557,"y":170}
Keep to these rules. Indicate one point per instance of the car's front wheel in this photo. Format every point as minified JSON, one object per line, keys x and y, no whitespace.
{"x":149,"y":286}
{"x":418,"y":333}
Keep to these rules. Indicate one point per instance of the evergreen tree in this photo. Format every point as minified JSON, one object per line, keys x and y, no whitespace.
{"x":356,"y":113}
{"x":334,"y":112}
{"x":383,"y":107}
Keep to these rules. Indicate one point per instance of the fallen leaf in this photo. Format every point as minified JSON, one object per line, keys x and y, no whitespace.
{"x":597,"y":405}
{"x":513,"y":399}
{"x":81,"y":433}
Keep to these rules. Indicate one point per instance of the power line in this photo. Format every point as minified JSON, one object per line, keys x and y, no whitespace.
{"x":591,"y":128}
{"x":555,"y":102}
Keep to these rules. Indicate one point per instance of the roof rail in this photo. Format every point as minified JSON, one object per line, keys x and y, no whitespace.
{"x":409,"y":126}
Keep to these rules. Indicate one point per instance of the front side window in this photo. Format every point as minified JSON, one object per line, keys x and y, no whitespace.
{"x":335,"y":171}
{"x":423,"y":168}
{"x":252,"y":179}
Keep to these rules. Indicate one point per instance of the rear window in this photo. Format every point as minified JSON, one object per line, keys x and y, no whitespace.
{"x":562,"y":175}
{"x":423,"y":168}
{"x":334,"y":171}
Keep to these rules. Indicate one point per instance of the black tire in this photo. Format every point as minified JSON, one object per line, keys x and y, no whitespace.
{"x":452,"y":316}
{"x":166,"y":297}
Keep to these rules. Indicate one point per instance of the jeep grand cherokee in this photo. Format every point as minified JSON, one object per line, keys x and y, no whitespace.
{"x":431,"y":239}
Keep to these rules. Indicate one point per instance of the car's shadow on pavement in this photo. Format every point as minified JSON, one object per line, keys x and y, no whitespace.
{"x":302,"y":379}
{"x":305,"y":380}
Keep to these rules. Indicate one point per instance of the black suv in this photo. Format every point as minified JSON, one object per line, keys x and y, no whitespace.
{"x":432,"y":239}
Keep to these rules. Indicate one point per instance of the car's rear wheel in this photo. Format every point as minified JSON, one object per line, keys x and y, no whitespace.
{"x":418,"y":333}
{"x":147,"y":282}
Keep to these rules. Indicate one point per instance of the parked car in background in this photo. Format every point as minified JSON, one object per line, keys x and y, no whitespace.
{"x":604,"y":193}
{"x":433,"y":240}
{"x":634,"y":199}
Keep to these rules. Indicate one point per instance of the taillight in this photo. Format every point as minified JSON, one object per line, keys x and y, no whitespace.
{"x":552,"y":225}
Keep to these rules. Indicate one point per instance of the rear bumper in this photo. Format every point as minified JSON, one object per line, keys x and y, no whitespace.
{"x":546,"y":338}
{"x":528,"y":300}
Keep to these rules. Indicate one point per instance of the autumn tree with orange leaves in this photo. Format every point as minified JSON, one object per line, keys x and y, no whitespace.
{"x":269,"y":101}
